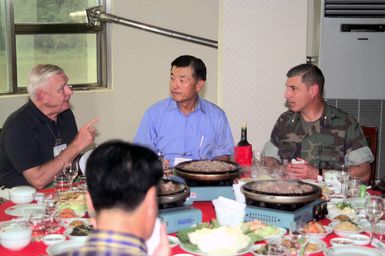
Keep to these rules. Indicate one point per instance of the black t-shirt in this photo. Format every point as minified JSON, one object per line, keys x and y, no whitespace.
{"x":27,"y":140}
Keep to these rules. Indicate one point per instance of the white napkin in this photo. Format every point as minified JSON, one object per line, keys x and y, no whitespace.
{"x":154,"y":240}
{"x":83,"y":161}
{"x":239,"y":196}
{"x":229,"y":212}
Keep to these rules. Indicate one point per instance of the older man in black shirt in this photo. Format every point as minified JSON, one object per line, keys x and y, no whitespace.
{"x":39,"y":138}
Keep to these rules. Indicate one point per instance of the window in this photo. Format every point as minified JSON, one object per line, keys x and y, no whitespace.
{"x":50,"y":31}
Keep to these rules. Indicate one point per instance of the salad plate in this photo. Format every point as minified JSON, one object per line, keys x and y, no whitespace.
{"x":25,"y":210}
{"x":281,"y":232}
{"x":63,"y":247}
{"x":352,"y":250}
{"x":195,"y":251}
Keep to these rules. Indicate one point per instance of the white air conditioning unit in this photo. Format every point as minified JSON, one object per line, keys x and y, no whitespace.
{"x":352,"y":48}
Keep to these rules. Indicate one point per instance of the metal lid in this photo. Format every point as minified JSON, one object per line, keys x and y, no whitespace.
{"x":22,"y":191}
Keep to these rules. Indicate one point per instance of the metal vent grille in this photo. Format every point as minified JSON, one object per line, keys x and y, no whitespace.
{"x":355,"y":8}
{"x":368,"y":113}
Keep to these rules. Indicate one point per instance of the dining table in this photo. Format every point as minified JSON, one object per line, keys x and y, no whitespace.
{"x":38,"y":248}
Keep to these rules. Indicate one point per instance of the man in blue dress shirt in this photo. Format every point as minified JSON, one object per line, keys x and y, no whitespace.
{"x":184,"y":126}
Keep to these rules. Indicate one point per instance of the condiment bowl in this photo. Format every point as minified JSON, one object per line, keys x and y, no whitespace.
{"x":15,"y":237}
{"x":320,"y":236}
{"x":346,"y":233}
{"x":360,"y":239}
{"x":341,"y":241}
{"x":22,"y":194}
{"x":80,"y":238}
{"x":53,"y":239}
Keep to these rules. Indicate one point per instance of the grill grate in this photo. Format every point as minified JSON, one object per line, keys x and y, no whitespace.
{"x":355,"y":8}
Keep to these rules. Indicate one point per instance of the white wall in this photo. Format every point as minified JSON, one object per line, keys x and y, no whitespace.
{"x":259,"y":41}
{"x":262,"y":40}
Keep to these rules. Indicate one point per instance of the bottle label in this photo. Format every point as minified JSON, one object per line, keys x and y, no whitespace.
{"x":243,"y":155}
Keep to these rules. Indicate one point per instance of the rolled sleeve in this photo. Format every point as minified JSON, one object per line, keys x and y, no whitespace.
{"x":359,"y":156}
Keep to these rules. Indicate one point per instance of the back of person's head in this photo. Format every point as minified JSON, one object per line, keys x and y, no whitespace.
{"x":310,"y":73}
{"x":197,"y":65}
{"x":119,"y":174}
{"x":39,"y":75}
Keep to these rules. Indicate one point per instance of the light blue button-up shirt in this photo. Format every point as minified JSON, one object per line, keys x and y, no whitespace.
{"x":203,"y":134}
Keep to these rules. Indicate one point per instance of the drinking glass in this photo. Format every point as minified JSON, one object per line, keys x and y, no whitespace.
{"x":353,"y":187}
{"x":343,"y":176}
{"x":61,"y":183}
{"x":50,"y":205}
{"x":167,"y":171}
{"x":82,"y":183}
{"x":38,"y":226}
{"x":71,"y":170}
{"x":373,"y":211}
{"x":52,"y":223}
{"x":259,"y":158}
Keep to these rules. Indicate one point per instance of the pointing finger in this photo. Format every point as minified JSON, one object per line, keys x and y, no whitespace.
{"x":92,"y":122}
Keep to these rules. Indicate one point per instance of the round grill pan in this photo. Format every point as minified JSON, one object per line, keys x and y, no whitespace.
{"x":280,"y":198}
{"x":229,"y":170}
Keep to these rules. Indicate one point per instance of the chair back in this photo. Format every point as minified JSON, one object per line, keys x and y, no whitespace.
{"x":371,"y":135}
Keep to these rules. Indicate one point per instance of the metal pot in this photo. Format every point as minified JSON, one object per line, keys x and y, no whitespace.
{"x":252,"y":193}
{"x":174,"y":197}
{"x":208,"y":170}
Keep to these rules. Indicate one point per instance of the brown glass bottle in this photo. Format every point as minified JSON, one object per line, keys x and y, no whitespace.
{"x":243,"y":141}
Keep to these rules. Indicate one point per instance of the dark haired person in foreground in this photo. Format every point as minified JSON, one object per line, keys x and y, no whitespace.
{"x":320,"y":137}
{"x":185,"y":126}
{"x":122,"y":180}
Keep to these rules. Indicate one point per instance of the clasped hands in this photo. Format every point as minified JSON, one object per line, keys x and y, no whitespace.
{"x":302,"y":170}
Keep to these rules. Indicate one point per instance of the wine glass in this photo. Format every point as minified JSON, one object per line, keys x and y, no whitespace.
{"x":373,"y":211}
{"x":343,"y":176}
{"x":71,"y":170}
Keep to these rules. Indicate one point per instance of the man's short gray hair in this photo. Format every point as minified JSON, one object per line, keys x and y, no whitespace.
{"x":39,"y":75}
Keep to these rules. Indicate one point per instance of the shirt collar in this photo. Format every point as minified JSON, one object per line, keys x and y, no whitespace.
{"x":325,"y":119}
{"x":172,"y":105}
{"x":38,"y":114}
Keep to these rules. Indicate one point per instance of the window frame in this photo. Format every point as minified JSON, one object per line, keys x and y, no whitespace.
{"x":12,"y":30}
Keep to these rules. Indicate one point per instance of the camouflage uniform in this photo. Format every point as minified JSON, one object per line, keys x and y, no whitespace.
{"x":335,"y":138}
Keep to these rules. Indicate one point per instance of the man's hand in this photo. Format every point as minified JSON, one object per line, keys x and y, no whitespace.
{"x":302,"y":170}
{"x":86,"y":135}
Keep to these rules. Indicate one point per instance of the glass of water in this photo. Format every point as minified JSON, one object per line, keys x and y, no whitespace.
{"x":71,"y":170}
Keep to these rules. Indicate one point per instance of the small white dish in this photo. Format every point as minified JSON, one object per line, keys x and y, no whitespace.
{"x":53,"y":239}
{"x":359,"y":239}
{"x":336,"y":198}
{"x":68,"y":231}
{"x":341,"y":241}
{"x":173,"y":241}
{"x":320,"y":236}
{"x":63,"y":247}
{"x":346,"y":233}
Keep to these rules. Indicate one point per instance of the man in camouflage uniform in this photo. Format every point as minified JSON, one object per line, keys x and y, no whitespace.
{"x":317,"y":135}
